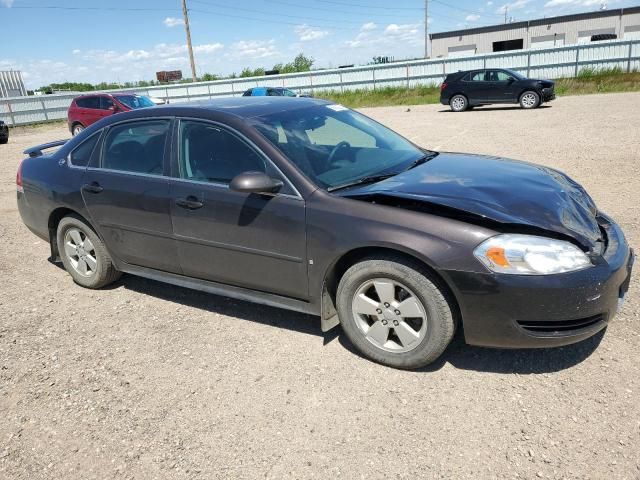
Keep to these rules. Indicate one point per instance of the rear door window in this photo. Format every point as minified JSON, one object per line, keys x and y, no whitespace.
{"x":136,"y":147}
{"x":88,"y":102}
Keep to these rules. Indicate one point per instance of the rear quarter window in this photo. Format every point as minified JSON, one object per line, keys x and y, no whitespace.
{"x":81,"y":155}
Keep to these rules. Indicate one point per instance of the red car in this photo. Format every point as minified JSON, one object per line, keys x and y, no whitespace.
{"x":88,"y":109}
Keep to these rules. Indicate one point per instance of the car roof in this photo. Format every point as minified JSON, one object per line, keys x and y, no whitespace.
{"x":244,"y":107}
{"x":108,"y":94}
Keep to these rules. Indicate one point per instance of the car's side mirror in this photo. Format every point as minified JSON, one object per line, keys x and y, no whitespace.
{"x":255,"y":182}
{"x":511,"y":80}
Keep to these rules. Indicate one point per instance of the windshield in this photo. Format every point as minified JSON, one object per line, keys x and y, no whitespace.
{"x":335,"y":146}
{"x":135,"y":101}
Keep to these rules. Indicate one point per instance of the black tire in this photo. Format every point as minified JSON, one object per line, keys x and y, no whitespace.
{"x":76,"y":129}
{"x":459,"y":103}
{"x":530,"y":100}
{"x":439,"y":311}
{"x":104,"y":271}
{"x":4,"y":140}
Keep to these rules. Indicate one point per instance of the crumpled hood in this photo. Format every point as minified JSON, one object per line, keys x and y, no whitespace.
{"x":499,"y":189}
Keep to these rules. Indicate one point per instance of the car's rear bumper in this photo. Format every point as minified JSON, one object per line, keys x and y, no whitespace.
{"x":525,"y":311}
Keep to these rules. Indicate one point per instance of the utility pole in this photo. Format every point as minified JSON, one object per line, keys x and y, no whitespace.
{"x":426,"y":28}
{"x":185,"y":13}
{"x":506,"y":12}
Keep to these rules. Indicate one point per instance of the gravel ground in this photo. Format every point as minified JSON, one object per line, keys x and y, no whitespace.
{"x":145,"y":380}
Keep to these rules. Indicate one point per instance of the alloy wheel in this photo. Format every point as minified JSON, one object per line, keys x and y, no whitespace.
{"x":529,"y":100}
{"x":458,"y":103}
{"x":389,"y":315}
{"x":81,"y":252}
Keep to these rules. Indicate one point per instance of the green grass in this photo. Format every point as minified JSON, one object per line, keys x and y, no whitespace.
{"x":384,"y":96}
{"x":588,"y":81}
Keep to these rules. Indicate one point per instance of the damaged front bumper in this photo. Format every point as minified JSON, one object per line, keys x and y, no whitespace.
{"x":525,"y":311}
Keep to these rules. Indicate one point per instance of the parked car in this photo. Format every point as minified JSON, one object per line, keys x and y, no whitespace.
{"x":159,"y":101}
{"x":272,"y":92}
{"x":85,"y":110}
{"x":317,"y":208}
{"x":465,"y":90}
{"x":4,"y":132}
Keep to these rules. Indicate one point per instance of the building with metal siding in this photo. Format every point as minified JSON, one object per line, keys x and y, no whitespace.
{"x":541,"y":33}
{"x":11,"y":84}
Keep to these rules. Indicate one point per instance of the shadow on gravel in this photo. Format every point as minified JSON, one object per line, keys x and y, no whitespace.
{"x":240,"y":309}
{"x":458,"y":354}
{"x":521,"y":361}
{"x":494,"y":360}
{"x":489,"y":109}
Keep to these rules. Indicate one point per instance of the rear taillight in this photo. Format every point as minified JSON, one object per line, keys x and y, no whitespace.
{"x":19,"y":179}
{"x":443,"y":86}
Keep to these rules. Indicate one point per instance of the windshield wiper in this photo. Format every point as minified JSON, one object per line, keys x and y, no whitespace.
{"x":424,"y":159}
{"x":378,"y":178}
{"x":362,"y":181}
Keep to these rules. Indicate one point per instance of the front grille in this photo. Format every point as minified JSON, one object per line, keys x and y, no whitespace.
{"x":560,"y":327}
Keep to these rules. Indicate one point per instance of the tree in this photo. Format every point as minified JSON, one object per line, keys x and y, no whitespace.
{"x":208,"y":77}
{"x":302,"y":63}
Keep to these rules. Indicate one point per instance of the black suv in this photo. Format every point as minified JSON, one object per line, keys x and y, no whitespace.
{"x":4,"y":132}
{"x":465,"y":90}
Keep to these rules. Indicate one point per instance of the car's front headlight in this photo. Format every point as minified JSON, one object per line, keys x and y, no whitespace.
{"x":530,"y":255}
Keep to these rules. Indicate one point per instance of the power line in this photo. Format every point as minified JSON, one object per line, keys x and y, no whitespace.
{"x":111,"y":9}
{"x":461,"y":9}
{"x":333,"y":10}
{"x":278,"y":14}
{"x":243,"y":17}
{"x":368,"y":6}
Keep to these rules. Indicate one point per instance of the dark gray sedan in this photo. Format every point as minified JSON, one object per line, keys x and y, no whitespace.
{"x":307,"y":205}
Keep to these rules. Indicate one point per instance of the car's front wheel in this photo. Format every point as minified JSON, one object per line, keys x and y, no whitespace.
{"x":83,"y":254}
{"x":77,"y":128}
{"x":394,"y":312}
{"x":459,"y":103}
{"x":529,"y":100}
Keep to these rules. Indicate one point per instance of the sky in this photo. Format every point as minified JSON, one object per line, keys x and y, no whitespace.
{"x":129,"y":40}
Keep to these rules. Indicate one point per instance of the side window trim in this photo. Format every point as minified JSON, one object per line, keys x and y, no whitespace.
{"x":166,"y":154}
{"x":177,"y":152}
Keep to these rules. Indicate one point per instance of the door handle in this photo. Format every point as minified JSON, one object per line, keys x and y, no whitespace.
{"x":190,"y":203}
{"x":93,"y":187}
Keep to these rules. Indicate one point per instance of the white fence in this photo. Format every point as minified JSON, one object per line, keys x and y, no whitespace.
{"x":557,"y":62}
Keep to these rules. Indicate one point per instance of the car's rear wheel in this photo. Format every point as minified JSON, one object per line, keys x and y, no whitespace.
{"x":4,"y":140}
{"x":83,"y":254}
{"x":459,"y":103}
{"x":393,"y":311}
{"x":77,"y":128}
{"x":529,"y":100}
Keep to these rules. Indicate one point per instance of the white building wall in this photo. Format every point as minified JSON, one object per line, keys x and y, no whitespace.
{"x":537,"y":34}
